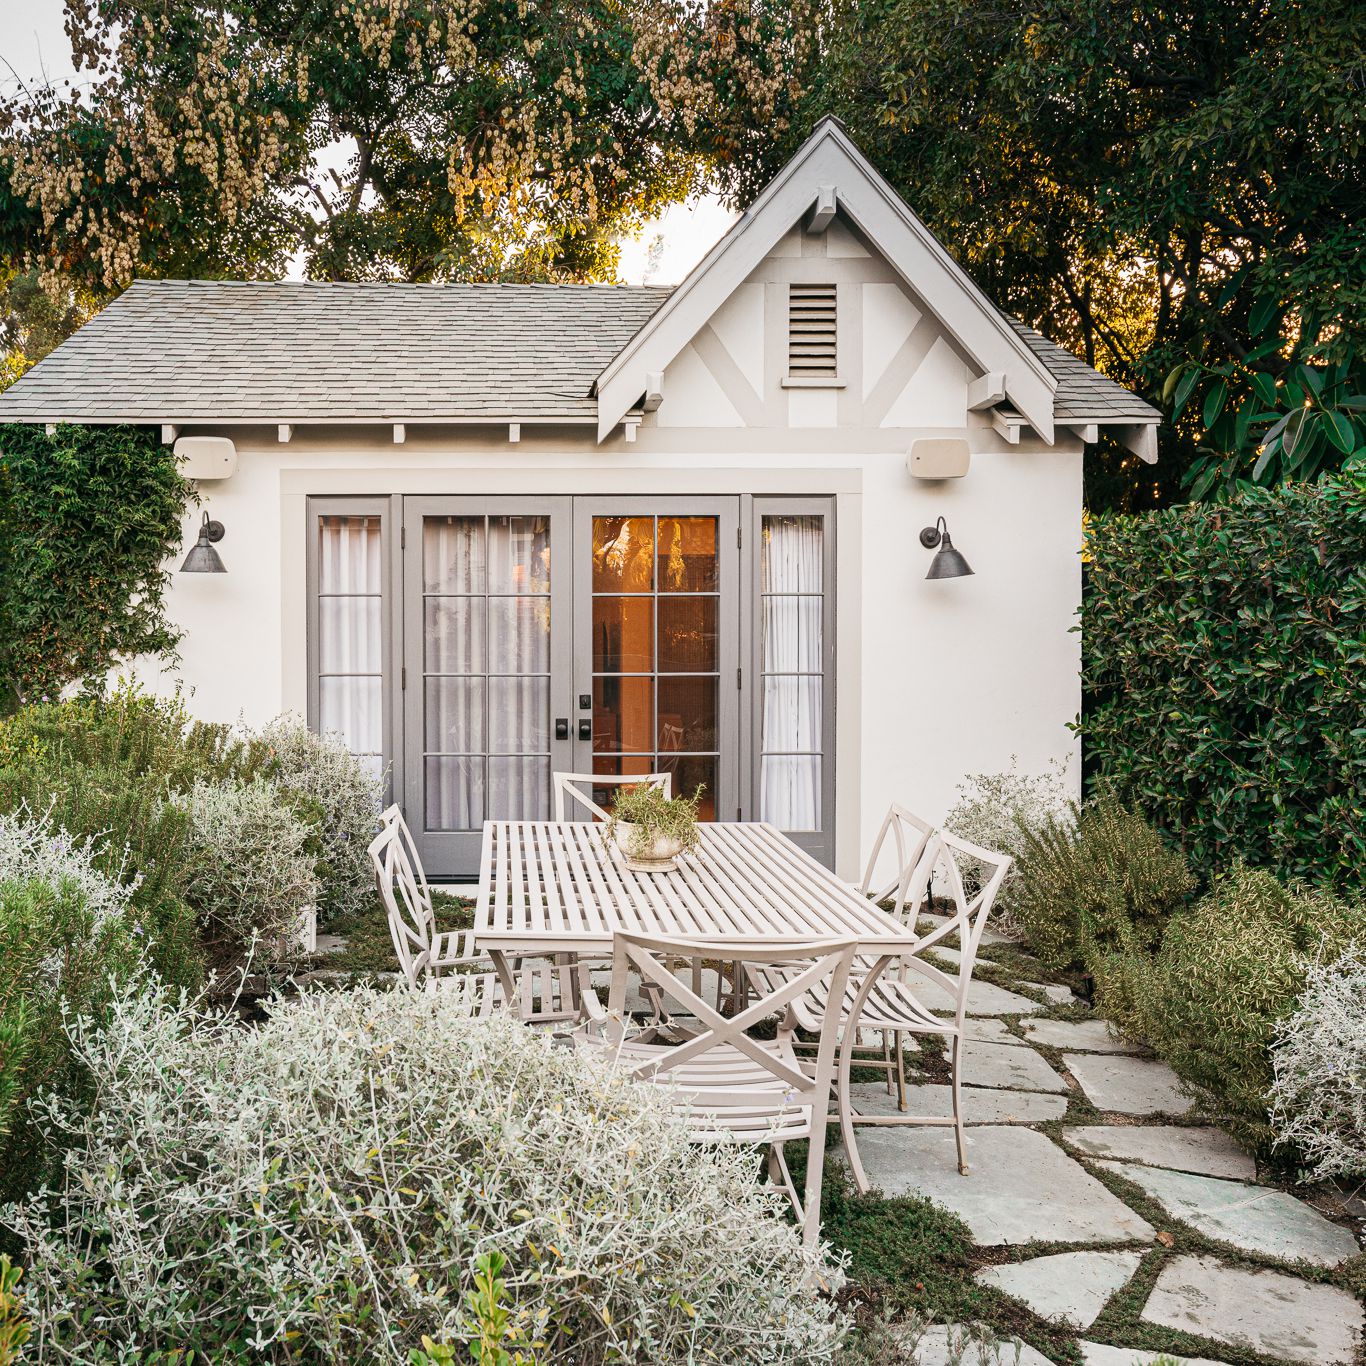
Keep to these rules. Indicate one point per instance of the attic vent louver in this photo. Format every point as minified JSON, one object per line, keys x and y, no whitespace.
{"x":811,"y":332}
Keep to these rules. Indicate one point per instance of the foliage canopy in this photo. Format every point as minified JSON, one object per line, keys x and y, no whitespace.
{"x":1135,"y":179}
{"x":416,"y":139}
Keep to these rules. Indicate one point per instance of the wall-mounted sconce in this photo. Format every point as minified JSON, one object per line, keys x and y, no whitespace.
{"x":203,"y":558}
{"x":947,"y":563}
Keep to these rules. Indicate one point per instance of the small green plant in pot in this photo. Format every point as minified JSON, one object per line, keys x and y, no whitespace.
{"x":652,"y":829}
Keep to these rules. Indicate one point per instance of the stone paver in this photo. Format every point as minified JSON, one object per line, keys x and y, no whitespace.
{"x":1260,"y":1311}
{"x":1022,"y":1188}
{"x":1206,"y":1151}
{"x":990,"y":1029}
{"x":1254,"y":1218}
{"x":1128,"y":1086}
{"x":981,"y":1105}
{"x":983,"y":999}
{"x":1085,"y":1036}
{"x":1099,"y":1354}
{"x":952,"y":1345}
{"x":1017,"y":1069}
{"x":1059,"y":994}
{"x":1068,"y":1287}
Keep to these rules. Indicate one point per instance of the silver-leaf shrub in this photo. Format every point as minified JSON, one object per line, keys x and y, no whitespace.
{"x":1318,"y":1098}
{"x":350,"y":796}
{"x":251,"y":869}
{"x":317,"y":1189}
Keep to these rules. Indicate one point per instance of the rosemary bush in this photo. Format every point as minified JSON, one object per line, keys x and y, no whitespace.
{"x":1229,"y":971}
{"x":321,"y":1189}
{"x":1318,"y":1097}
{"x":64,"y":938}
{"x":655,"y":816}
{"x":997,"y":810}
{"x":1097,"y":879}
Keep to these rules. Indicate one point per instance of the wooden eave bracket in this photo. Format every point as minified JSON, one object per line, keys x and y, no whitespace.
{"x":823,"y":214}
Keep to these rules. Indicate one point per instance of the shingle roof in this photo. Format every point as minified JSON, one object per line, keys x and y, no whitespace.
{"x":1084,"y":394}
{"x":230,"y":351}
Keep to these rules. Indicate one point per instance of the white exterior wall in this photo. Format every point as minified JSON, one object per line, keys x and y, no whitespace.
{"x":934,"y":679}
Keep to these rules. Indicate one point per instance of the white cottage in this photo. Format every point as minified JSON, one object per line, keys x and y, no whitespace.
{"x":491,"y":531}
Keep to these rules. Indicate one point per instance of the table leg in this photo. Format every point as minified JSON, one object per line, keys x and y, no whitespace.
{"x":506,"y":977}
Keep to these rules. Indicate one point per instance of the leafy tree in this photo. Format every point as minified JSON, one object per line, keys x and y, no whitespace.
{"x":1132,"y":178}
{"x":88,"y":518}
{"x":412,"y":139}
{"x":1284,"y":410}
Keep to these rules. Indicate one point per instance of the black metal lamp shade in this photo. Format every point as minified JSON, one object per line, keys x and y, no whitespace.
{"x":203,"y":558}
{"x":948,"y":563}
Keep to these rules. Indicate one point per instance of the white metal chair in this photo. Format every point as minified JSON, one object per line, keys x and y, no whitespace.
{"x":727,"y":1083}
{"x":447,"y":961}
{"x":907,"y":836}
{"x":889,"y":1001}
{"x":569,"y":784}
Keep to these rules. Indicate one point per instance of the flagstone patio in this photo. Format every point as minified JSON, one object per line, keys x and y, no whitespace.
{"x":1083,"y":1148}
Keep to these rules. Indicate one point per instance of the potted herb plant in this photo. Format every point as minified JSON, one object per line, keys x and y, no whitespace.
{"x":650,"y":829}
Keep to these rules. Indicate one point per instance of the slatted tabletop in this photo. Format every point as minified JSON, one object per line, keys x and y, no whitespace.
{"x":561,"y":886}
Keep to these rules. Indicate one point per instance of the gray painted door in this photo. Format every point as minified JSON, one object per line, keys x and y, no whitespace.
{"x":486,"y":603}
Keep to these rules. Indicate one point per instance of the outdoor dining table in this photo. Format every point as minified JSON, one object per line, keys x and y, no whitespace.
{"x":549,"y":887}
{"x":563,"y":887}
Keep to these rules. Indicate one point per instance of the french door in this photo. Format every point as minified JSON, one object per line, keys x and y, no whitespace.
{"x":541,"y":634}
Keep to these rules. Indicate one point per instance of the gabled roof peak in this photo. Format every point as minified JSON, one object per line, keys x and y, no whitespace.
{"x":829,"y":161}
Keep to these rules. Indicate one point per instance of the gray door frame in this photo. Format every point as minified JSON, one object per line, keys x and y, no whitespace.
{"x":455,"y":854}
{"x":731,"y":681}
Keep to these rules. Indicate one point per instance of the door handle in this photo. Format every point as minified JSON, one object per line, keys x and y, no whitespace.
{"x":562,"y":728}
{"x":585,"y":730}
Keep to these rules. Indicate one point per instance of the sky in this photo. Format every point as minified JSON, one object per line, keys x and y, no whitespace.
{"x":33,"y":44}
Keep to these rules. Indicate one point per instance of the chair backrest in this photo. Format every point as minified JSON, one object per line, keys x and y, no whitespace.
{"x":905,"y":879}
{"x":663,"y":961}
{"x":967,"y":917}
{"x":403,"y":888}
{"x":570,"y":784}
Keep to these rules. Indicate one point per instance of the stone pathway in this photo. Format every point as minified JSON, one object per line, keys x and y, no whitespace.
{"x":1067,"y":1124}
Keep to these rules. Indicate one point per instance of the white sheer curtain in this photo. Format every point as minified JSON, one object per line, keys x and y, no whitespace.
{"x":350,"y":634}
{"x":487,"y":667}
{"x":791,"y":584}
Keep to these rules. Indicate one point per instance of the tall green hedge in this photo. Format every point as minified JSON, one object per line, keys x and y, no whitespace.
{"x":88,"y":518}
{"x":1224,"y":660}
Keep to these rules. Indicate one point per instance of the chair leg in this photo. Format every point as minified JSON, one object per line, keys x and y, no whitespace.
{"x":887,"y":1060}
{"x":900,"y":1074}
{"x":779,"y":1174}
{"x":846,"y":1112}
{"x":958,"y":1105}
{"x":815,"y":1172}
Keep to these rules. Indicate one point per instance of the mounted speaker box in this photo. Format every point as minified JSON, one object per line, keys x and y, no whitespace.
{"x":938,"y":457}
{"x":206,"y":457}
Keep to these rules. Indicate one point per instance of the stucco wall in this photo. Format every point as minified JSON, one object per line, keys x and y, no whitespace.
{"x":934,"y":679}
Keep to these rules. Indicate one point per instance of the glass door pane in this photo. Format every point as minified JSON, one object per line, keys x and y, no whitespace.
{"x":659,"y":585}
{"x":481,"y":737}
